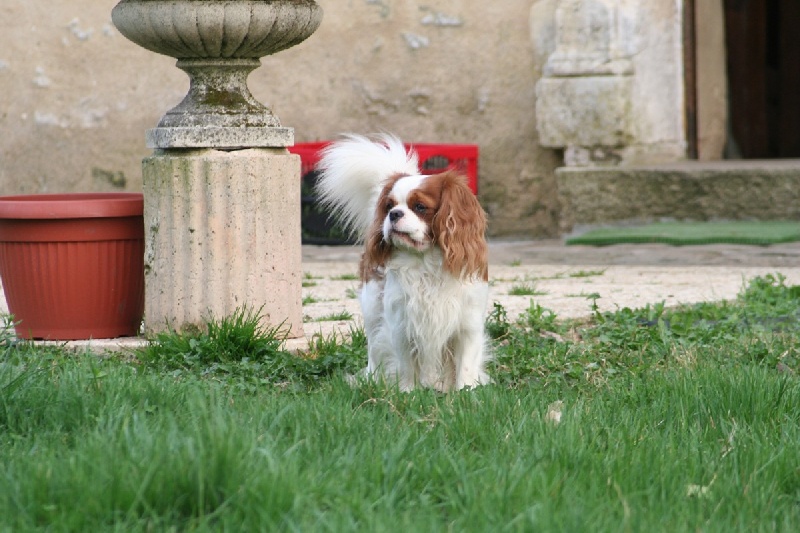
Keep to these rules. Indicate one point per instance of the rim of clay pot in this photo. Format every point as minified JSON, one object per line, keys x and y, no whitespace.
{"x":72,"y":205}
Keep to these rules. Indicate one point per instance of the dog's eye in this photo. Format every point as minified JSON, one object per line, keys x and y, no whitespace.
{"x":389,"y":205}
{"x":420,"y":208}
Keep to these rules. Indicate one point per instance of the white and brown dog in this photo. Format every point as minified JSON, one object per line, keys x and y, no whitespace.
{"x":424,"y":269}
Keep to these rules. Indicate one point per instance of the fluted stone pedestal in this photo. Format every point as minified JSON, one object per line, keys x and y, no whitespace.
{"x":222,"y":231}
{"x":221,"y":192}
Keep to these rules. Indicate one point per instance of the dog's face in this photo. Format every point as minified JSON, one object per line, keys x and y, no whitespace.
{"x":407,"y":209}
{"x":416,"y":213}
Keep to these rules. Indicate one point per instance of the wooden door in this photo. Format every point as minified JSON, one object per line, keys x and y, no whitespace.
{"x":763,"y":62}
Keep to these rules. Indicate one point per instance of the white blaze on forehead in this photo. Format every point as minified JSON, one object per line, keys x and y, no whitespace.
{"x":403,"y":187}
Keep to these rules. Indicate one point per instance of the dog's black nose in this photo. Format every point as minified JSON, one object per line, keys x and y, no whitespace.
{"x":395,"y":214}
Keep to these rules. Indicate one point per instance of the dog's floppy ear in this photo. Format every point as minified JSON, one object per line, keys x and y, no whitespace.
{"x":376,"y":250}
{"x":459,"y":229}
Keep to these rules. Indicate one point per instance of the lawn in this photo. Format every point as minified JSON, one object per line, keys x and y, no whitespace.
{"x":648,"y":419}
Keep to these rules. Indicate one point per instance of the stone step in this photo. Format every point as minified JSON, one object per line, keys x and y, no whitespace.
{"x":692,"y":190}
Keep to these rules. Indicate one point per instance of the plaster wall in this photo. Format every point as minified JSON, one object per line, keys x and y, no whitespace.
{"x":76,"y":97}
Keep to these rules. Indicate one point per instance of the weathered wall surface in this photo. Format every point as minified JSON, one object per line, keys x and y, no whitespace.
{"x":76,"y":97}
{"x":613,"y":88}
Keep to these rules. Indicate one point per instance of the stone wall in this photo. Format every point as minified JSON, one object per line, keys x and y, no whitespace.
{"x":612,"y":90}
{"x":76,"y":97}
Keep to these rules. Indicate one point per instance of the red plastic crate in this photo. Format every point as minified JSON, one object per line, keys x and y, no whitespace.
{"x":433,"y":158}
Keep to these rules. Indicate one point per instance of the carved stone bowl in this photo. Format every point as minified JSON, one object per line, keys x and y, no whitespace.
{"x":217,"y":43}
{"x":212,"y":29}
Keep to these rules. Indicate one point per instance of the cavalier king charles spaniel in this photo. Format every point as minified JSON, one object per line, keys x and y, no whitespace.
{"x":424,"y":270}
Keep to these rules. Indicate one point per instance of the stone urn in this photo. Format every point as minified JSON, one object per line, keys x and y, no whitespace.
{"x":218,"y":43}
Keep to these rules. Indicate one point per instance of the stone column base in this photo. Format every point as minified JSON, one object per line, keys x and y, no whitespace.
{"x":222,"y":232}
{"x":584,"y":111}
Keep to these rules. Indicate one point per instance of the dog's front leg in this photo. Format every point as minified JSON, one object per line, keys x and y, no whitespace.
{"x":470,"y":355}
{"x":470,"y":349}
{"x":403,"y":359}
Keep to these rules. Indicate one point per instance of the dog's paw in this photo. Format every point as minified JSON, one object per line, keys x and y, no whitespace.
{"x":356,"y":379}
{"x":472,"y":381}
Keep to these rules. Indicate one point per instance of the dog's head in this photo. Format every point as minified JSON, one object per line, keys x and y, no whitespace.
{"x":416,"y":213}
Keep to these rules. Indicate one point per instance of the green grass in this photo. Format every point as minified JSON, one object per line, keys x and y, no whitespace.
{"x":672,"y":420}
{"x":345,"y":277}
{"x":587,"y":273}
{"x":335,"y":317}
{"x":525,"y":289}
{"x":680,"y":233}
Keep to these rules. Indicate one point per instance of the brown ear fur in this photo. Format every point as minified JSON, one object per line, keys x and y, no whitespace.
{"x":459,"y":229}
{"x":377,"y":250}
{"x":376,"y":253}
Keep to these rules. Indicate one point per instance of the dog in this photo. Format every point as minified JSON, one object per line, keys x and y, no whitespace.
{"x":424,"y":269}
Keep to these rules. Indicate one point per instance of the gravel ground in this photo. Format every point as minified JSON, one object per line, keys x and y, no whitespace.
{"x":564,"y":279}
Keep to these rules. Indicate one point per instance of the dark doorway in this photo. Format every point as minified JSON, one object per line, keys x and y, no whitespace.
{"x":763,"y":61}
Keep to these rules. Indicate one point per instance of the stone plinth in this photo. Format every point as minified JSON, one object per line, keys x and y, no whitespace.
{"x":584,"y":111}
{"x":221,"y":138}
{"x":222,"y":231}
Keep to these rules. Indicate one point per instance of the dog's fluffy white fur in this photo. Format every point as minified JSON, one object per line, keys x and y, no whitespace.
{"x":424,"y":269}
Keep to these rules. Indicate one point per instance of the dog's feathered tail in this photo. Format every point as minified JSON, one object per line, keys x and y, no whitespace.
{"x":352,"y":174}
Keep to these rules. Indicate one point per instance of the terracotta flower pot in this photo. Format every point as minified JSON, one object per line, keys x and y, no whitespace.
{"x":72,"y":265}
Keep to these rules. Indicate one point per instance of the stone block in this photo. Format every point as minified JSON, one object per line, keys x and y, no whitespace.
{"x":222,"y":232}
{"x":584,"y":111}
{"x":220,"y":138}
{"x":721,"y":190}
